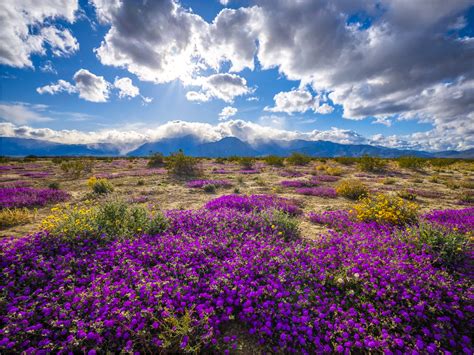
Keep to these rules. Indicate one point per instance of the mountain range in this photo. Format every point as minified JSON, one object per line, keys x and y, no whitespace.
{"x":224,"y":147}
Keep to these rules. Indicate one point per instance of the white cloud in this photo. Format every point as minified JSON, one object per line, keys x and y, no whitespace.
{"x":220,"y":86}
{"x":48,"y":67}
{"x":126,"y":88}
{"x":89,"y":86}
{"x":59,"y":86}
{"x":131,"y":137}
{"x":227,"y":112}
{"x":22,"y":113}
{"x":26,"y":28}
{"x":300,"y":101}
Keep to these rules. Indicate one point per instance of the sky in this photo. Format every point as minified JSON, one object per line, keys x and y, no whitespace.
{"x":396,"y":73}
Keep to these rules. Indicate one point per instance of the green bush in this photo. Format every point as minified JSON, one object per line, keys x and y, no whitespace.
{"x":181,"y":165}
{"x":442,"y":162}
{"x":157,"y":160}
{"x":346,"y":160}
{"x":77,"y":168}
{"x":54,"y":185}
{"x":100,"y":186}
{"x":371,"y":164}
{"x":407,"y":195}
{"x":298,"y":159}
{"x":274,"y":160}
{"x":140,"y":182}
{"x":247,"y":162}
{"x":286,"y":225}
{"x":210,"y":188}
{"x":411,"y":162}
{"x":352,"y":189}
{"x":449,"y":247}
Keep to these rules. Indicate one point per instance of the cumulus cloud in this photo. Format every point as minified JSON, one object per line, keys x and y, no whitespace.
{"x":227,"y":112}
{"x":89,"y":86}
{"x":26,"y":28}
{"x":382,"y":69}
{"x":22,"y":113}
{"x":220,"y":86}
{"x":126,"y":88}
{"x":59,"y":86}
{"x":300,"y":101}
{"x":129,"y":138}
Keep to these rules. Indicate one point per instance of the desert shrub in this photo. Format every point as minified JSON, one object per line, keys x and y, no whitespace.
{"x":10,"y":217}
{"x":452,"y":184}
{"x":140,"y":182}
{"x":30,"y":158}
{"x":286,"y":225}
{"x":371,"y":164}
{"x":157,"y":160}
{"x":411,"y":162}
{"x":449,"y":247}
{"x":467,"y":198}
{"x":53,"y":185}
{"x":181,"y":165}
{"x":434,"y":179}
{"x":210,"y":188}
{"x":467,"y":184}
{"x":346,"y":160}
{"x":389,"y":181}
{"x":100,"y":186}
{"x":77,"y":167}
{"x":334,"y":171}
{"x":352,"y":189}
{"x":247,"y":162}
{"x":113,"y":219}
{"x":442,"y":162}
{"x":220,"y":160}
{"x":298,"y":159}
{"x":407,"y":195}
{"x":274,"y":160}
{"x":57,"y":160}
{"x":384,"y":208}
{"x":236,"y":190}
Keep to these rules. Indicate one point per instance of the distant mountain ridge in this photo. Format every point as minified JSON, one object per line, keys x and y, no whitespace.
{"x":224,"y":147}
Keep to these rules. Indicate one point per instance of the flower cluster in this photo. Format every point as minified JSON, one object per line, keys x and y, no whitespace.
{"x":317,"y":191}
{"x":461,"y":221}
{"x":384,"y":208}
{"x":299,"y":183}
{"x":29,"y":197}
{"x":201,"y":183}
{"x":183,"y":290}
{"x":254,"y":203}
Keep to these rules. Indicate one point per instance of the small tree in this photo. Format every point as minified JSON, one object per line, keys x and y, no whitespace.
{"x":157,"y":160}
{"x":371,"y":164}
{"x":182,"y":165}
{"x":298,"y":159}
{"x":412,"y":163}
{"x":274,"y":160}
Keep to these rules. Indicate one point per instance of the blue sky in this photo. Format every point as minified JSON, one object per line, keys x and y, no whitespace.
{"x":381,"y":73}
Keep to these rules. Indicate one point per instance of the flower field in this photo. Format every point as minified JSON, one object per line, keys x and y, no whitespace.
{"x":158,"y":265}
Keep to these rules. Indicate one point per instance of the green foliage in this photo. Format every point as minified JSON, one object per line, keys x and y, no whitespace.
{"x":407,"y":195}
{"x":247,"y":162}
{"x":10,"y":217}
{"x":30,"y":158}
{"x":140,"y":182}
{"x":178,"y":333}
{"x":54,"y":185}
{"x":298,"y":159}
{"x":352,"y":189}
{"x":442,"y":162}
{"x":57,"y":160}
{"x":371,"y":164}
{"x":389,"y":181}
{"x":451,"y":248}
{"x":157,"y":160}
{"x":4,"y":159}
{"x":210,"y":188}
{"x":220,"y":160}
{"x":346,"y":160}
{"x":236,"y":190}
{"x":100,"y":186}
{"x":274,"y":160}
{"x":286,"y":225}
{"x":181,"y":165}
{"x":411,"y":162}
{"x":77,"y":167}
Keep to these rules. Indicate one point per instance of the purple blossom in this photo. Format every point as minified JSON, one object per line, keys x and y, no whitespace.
{"x":317,"y":191}
{"x":202,"y":183}
{"x":29,"y":197}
